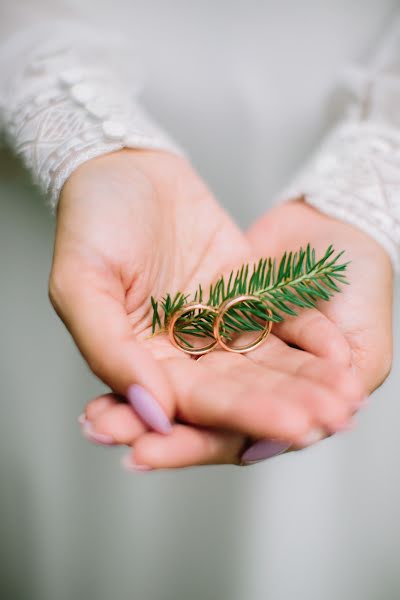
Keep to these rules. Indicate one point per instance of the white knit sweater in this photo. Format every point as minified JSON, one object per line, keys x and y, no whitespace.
{"x":69,"y":93}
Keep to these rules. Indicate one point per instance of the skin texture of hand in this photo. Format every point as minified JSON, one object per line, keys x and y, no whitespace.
{"x":138,"y":223}
{"x":363,"y":312}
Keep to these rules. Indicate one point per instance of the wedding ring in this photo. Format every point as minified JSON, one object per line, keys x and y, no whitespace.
{"x":172,"y":333}
{"x":223,"y":309}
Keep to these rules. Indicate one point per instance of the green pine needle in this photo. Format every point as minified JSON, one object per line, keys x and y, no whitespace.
{"x":298,"y":281}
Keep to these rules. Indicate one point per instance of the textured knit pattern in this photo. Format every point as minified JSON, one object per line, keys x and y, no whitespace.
{"x":355,"y":173}
{"x":59,"y":113}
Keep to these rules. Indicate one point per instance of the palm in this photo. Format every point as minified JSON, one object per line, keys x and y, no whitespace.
{"x":135,"y":225}
{"x":157,"y":235}
{"x":362,"y":312}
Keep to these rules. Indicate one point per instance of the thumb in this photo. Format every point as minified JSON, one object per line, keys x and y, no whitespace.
{"x":99,"y":325}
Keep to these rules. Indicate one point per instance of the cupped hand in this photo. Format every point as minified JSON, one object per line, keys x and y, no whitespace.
{"x":136,"y":224}
{"x":363,"y":311}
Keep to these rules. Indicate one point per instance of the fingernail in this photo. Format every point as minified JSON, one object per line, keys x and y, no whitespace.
{"x":316,"y":435}
{"x":148,"y":409}
{"x":94,"y":436}
{"x":363,"y":402}
{"x":82,"y":419}
{"x":128,"y":463}
{"x":262,"y":450}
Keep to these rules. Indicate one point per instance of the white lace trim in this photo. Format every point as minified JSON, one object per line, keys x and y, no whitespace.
{"x":59,"y":113}
{"x":355,"y":176}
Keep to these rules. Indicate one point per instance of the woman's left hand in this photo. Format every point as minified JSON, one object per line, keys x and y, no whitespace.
{"x":363,"y":311}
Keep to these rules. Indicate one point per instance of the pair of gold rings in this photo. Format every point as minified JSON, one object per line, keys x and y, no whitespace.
{"x":219,"y":318}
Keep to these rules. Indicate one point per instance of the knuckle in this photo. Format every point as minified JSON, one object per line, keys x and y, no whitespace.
{"x":57,"y":288}
{"x":98,"y":365}
{"x":92,"y":409}
{"x":325,"y":406}
{"x":290,"y":422}
{"x":337,"y":350}
{"x":223,"y":407}
{"x":336,"y":415}
{"x":384,"y":366}
{"x":332,"y":409}
{"x":312,"y":320}
{"x":53,"y":290}
{"x":374,"y":362}
{"x":347,"y":384}
{"x":331,"y":340}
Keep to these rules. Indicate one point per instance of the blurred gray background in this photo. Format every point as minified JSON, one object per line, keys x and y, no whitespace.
{"x":319,"y":524}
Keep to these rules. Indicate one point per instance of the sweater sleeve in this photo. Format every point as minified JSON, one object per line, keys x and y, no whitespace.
{"x":354,"y":174}
{"x":68,"y":93}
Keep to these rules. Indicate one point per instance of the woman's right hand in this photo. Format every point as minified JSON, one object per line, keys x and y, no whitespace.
{"x":135,"y":224}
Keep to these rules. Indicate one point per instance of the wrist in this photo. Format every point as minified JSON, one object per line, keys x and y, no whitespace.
{"x":350,"y":235}
{"x":116,"y":177}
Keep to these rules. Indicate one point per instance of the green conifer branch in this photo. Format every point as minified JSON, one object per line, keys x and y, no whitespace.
{"x":298,"y":281}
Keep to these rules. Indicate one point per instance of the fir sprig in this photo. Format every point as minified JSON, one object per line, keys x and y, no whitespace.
{"x":299,"y":280}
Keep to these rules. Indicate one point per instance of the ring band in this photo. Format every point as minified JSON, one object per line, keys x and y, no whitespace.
{"x":177,"y":315}
{"x":218,"y":338}
{"x":225,"y":306}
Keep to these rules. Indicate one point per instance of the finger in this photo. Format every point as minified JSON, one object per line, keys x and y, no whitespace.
{"x":312,"y":331}
{"x":121,"y":423}
{"x":233,"y":393}
{"x":328,"y":391}
{"x":342,"y":379}
{"x":92,"y":307}
{"x":124,"y":427}
{"x":95,"y":407}
{"x":185,"y":447}
{"x":188,"y":447}
{"x":112,"y":418}
{"x":109,"y":421}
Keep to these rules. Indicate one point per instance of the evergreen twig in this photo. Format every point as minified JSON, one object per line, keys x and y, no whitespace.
{"x":298,"y":281}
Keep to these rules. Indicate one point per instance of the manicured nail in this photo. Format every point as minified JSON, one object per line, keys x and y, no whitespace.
{"x":315,"y":435}
{"x":262,"y":450}
{"x":148,"y":409}
{"x":94,"y":436}
{"x":128,"y":463}
{"x":348,"y":425}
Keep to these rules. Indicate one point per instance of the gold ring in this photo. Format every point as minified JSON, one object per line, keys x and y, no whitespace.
{"x":225,"y":306}
{"x":177,"y":315}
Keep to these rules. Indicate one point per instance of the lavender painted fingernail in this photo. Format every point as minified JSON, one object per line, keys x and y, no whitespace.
{"x":94,"y":436}
{"x":262,"y":450}
{"x":148,"y":409}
